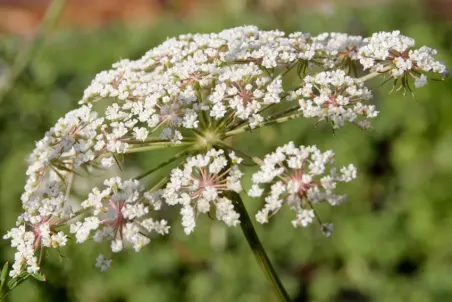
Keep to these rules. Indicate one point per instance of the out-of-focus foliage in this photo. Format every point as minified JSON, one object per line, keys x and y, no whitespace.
{"x":392,"y":240}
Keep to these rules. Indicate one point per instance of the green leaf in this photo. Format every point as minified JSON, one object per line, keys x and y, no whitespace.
{"x":40,"y":277}
{"x":3,"y":294}
{"x":18,"y":280}
{"x":3,"y":275}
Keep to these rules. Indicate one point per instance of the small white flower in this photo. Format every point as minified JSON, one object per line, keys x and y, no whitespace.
{"x":304,"y":218}
{"x":348,"y":173}
{"x":327,"y":229}
{"x":107,"y":162}
{"x":420,"y":81}
{"x":141,"y":133}
{"x":102,"y":263}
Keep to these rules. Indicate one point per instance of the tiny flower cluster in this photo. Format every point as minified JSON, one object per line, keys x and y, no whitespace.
{"x":43,"y":210}
{"x":334,"y":96}
{"x":299,"y":178}
{"x":393,"y":53}
{"x":120,"y":215}
{"x":204,"y":182}
{"x":73,"y":141}
{"x":340,"y":49}
{"x":28,"y":239}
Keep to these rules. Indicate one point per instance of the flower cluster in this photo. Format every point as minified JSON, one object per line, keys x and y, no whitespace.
{"x":393,"y":53}
{"x":120,"y":215}
{"x":340,"y":49}
{"x":299,"y":177}
{"x":73,"y":141}
{"x":334,"y":96}
{"x":244,"y":90}
{"x":28,"y":239}
{"x":204,"y":182}
{"x":198,"y":90}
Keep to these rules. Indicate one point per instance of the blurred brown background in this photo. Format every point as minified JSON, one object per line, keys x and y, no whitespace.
{"x":24,"y":16}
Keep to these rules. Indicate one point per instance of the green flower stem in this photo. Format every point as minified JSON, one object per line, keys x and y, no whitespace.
{"x":264,"y":124}
{"x":258,"y":249}
{"x":255,"y":159}
{"x":160,"y":184}
{"x":131,"y":141}
{"x":24,"y":57}
{"x":374,"y":74}
{"x":158,"y":145}
{"x":69,"y":182}
{"x":284,"y":113}
{"x":181,"y":154}
{"x":74,"y":215}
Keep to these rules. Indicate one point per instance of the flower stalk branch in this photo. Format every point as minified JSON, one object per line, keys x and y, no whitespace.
{"x":156,"y":146}
{"x":179,"y":155}
{"x":269,"y":122}
{"x":257,"y":248}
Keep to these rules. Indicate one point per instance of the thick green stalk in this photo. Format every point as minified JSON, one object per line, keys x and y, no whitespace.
{"x":258,"y":249}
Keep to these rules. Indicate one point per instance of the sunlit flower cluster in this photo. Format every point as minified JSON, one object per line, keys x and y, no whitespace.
{"x":300,"y":177}
{"x":203,"y":183}
{"x":197,"y":91}
{"x":120,"y":214}
{"x":73,"y":141}
{"x":336,"y":97}
{"x":340,"y":49}
{"x":395,"y":54}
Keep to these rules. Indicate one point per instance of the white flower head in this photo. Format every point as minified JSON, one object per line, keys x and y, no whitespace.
{"x":394,"y":54}
{"x":336,"y":97}
{"x":300,"y":178}
{"x":202,"y":184}
{"x":119,"y":215}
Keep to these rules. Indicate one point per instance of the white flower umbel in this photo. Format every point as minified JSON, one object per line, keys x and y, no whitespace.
{"x":75,"y":140}
{"x":336,"y":97}
{"x":393,"y":54}
{"x":69,"y":144}
{"x":339,"y":49}
{"x":196,"y":91}
{"x":242,"y":91}
{"x":299,"y":177}
{"x":119,"y":214}
{"x":202,"y":183}
{"x":30,"y":240}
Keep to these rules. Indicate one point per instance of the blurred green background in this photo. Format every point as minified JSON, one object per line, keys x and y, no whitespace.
{"x":393,"y":238}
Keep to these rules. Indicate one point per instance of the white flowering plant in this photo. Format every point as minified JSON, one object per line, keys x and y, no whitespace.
{"x":196,"y":92}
